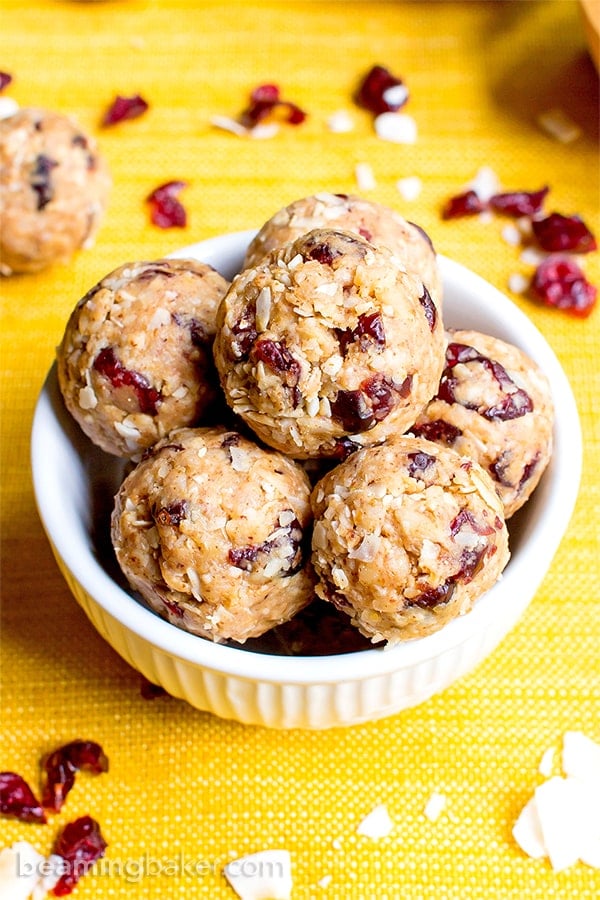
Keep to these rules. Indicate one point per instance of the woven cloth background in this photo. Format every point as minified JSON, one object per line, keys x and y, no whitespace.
{"x":185,"y":787}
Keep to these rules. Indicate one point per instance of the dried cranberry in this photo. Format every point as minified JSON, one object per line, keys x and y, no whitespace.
{"x":351,"y":410}
{"x":465,"y":517}
{"x":372,"y":92}
{"x":429,"y":308}
{"x":40,"y":179}
{"x":381,"y":391}
{"x":243,"y":557}
{"x":435,"y":596}
{"x":230,"y":440}
{"x":557,"y":234}
{"x":289,"y":537}
{"x":519,"y":203}
{"x":166,"y":210}
{"x":465,"y":204}
{"x":559,"y":282}
{"x":173,"y":514}
{"x":344,"y":447}
{"x":18,"y":800}
{"x":438,"y":430}
{"x":366,"y":234}
{"x":276,"y":356}
{"x":419,"y":461}
{"x":323,"y":253}
{"x":62,"y":765}
{"x":266,"y":99}
{"x":107,"y":364}
{"x":514,"y":403}
{"x":124,"y":108}
{"x":5,"y":80}
{"x":244,"y":333}
{"x":368,"y":331}
{"x":174,"y":608}
{"x":80,"y":845}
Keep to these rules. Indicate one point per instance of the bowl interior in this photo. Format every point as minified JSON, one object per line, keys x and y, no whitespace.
{"x":75,"y":482}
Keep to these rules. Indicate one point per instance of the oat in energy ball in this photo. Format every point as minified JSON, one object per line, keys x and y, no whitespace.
{"x":373,"y":221}
{"x":210,"y":528}
{"x":136,"y":357}
{"x":54,"y":188}
{"x":407,"y":536}
{"x":327,"y":345}
{"x":493,"y":404}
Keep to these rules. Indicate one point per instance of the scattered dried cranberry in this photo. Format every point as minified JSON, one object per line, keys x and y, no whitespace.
{"x":465,"y":204}
{"x":5,"y":80}
{"x":419,"y":462}
{"x":375,"y":91}
{"x":559,"y":282}
{"x":265,"y":100}
{"x":514,"y":403}
{"x":172,"y":514}
{"x":438,"y":430}
{"x":429,"y":308}
{"x":80,"y":845}
{"x":107,"y":364}
{"x":62,"y":765}
{"x":40,"y":179}
{"x":166,"y":210}
{"x":520,"y":203}
{"x":368,"y":331}
{"x":124,"y":108}
{"x":381,"y":391}
{"x":557,"y":234}
{"x":18,"y":800}
{"x":352,"y":411}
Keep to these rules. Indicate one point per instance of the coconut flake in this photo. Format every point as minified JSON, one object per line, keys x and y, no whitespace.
{"x":225,"y":123}
{"x":559,"y":125}
{"x":518,"y":283}
{"x":434,"y":806}
{"x":532,"y":257}
{"x":266,"y":875}
{"x":26,"y":873}
{"x":87,"y":398}
{"x":8,"y":107}
{"x":410,"y":188}
{"x":367,"y":549}
{"x":365,"y":178}
{"x":377,"y":824}
{"x":340,"y":122}
{"x":512,"y":235}
{"x":263,"y":308}
{"x":581,"y":756}
{"x":264,"y":131}
{"x":485,"y":183}
{"x":399,"y":128}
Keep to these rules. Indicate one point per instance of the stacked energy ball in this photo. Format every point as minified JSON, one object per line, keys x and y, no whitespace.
{"x":307,"y":431}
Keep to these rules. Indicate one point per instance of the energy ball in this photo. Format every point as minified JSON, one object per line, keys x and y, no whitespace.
{"x":327,"y":345}
{"x":407,"y":536}
{"x":54,"y":188}
{"x":209,"y":529}
{"x":494,"y":405}
{"x":378,"y":224}
{"x":136,"y":357}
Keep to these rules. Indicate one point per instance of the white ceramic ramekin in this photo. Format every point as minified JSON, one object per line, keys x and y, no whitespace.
{"x":74,"y":481}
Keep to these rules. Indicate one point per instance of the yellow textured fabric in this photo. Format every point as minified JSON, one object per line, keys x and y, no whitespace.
{"x":187,"y":791}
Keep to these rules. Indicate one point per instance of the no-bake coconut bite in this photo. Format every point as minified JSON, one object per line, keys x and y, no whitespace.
{"x":373,"y":221}
{"x":327,"y":345}
{"x":54,"y":188}
{"x":211,"y":530}
{"x":136,"y":357}
{"x":406,"y":537}
{"x":494,"y":405}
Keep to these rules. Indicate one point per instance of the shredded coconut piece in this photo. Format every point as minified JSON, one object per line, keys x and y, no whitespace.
{"x":26,"y":873}
{"x":225,"y":123}
{"x":8,"y":107}
{"x":485,"y":183}
{"x":562,"y":819}
{"x":434,"y":806}
{"x":410,"y":187}
{"x":532,"y":257}
{"x":377,"y":824}
{"x":365,"y":179}
{"x":87,"y":398}
{"x":546,"y":762}
{"x":396,"y":95}
{"x":340,"y":122}
{"x":512,"y":235}
{"x":367,"y":549}
{"x":266,"y":875}
{"x":264,"y":131}
{"x":325,"y":881}
{"x":559,"y":125}
{"x":240,"y":459}
{"x":518,"y":283}
{"x":399,"y":128}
